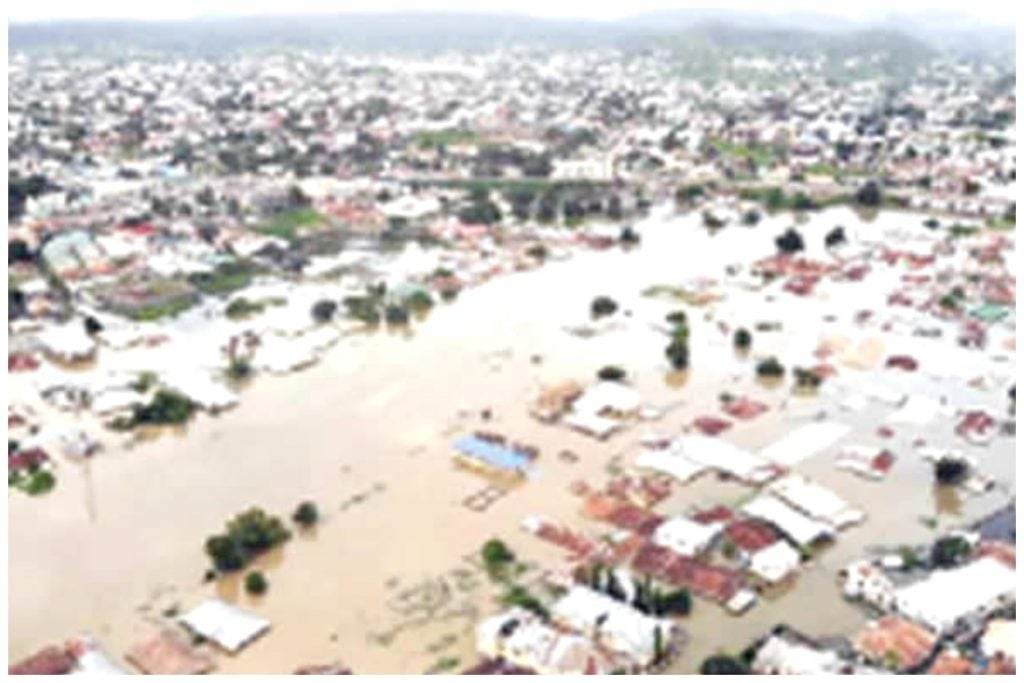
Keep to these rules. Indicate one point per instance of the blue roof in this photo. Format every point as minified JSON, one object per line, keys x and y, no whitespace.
{"x":491,"y":453}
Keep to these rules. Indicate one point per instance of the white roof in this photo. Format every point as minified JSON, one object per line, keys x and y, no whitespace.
{"x":918,"y":410}
{"x":622,"y":628}
{"x":685,"y":536}
{"x":94,"y":661}
{"x":801,"y":528}
{"x":722,"y":455}
{"x":201,"y":388}
{"x":804,"y":442}
{"x":775,"y":562}
{"x":1000,"y":638}
{"x":781,"y":656}
{"x":670,"y":462}
{"x":742,"y":601}
{"x":591,"y":423}
{"x":69,"y":340}
{"x":947,"y":595}
{"x":114,"y":400}
{"x":227,"y":625}
{"x":817,"y":501}
{"x":607,"y":396}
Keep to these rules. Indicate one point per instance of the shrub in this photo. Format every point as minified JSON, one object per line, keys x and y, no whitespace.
{"x":869,"y":194}
{"x":678,"y":353}
{"x":629,"y":236}
{"x":145,"y":382}
{"x":242,"y":308}
{"x":723,"y":665}
{"x":751,"y":217}
{"x":835,"y":237}
{"x":677,"y":317}
{"x":537,"y":251}
{"x":742,"y":339}
{"x":496,"y":556}
{"x":239,"y":368}
{"x":949,"y":551}
{"x":166,"y":407}
{"x":419,"y":301}
{"x":770,"y":367}
{"x":950,"y":470}
{"x":256,"y":583}
{"x":790,"y":242}
{"x":396,"y":315}
{"x":246,"y":536}
{"x":611,"y":373}
{"x":92,"y":325}
{"x":306,"y":514}
{"x":518,"y":596}
{"x":323,"y":311}
{"x":602,"y":306}
{"x":806,"y":379}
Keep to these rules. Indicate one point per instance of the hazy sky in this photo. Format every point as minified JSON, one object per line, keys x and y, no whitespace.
{"x":989,"y":11}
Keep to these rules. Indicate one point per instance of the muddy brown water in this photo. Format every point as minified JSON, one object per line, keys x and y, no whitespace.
{"x":383,"y":584}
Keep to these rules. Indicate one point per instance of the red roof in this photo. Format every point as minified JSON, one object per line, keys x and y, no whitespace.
{"x":47,"y":662}
{"x":744,"y":408}
{"x":751,"y":535}
{"x":719,"y":513}
{"x":710,"y":425}
{"x":705,"y":580}
{"x":25,"y":459}
{"x":19,"y":362}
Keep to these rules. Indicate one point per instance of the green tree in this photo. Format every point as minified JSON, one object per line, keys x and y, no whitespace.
{"x":306,"y":514}
{"x":723,"y":665}
{"x":256,"y":583}
{"x":496,"y":557}
{"x":742,"y":339}
{"x":611,"y":373}
{"x":678,"y":353}
{"x":603,"y":306}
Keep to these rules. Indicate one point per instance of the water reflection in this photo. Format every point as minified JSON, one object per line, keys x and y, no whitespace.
{"x":947,"y":500}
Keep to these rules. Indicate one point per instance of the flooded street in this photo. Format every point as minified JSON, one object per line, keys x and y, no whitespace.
{"x":365,"y":434}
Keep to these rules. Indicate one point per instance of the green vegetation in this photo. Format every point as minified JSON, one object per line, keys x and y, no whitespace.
{"x":427,"y":139}
{"x":762,"y":155}
{"x":770,"y":368}
{"x":242,"y":308}
{"x":239,"y":368}
{"x":723,"y":665}
{"x":395,"y":314}
{"x":306,"y":514}
{"x":287,"y":224}
{"x":164,"y":309}
{"x":961,"y":230}
{"x":806,"y":379}
{"x":167,"y":407}
{"x":419,"y":300}
{"x":35,"y":481}
{"x":256,"y":583}
{"x":246,"y":536}
{"x":689,"y":193}
{"x":323,"y":311}
{"x":537,"y":251}
{"x":602,"y":306}
{"x":909,"y":558}
{"x":949,"y":551}
{"x":950,"y":471}
{"x":146,"y":381}
{"x":742,"y":339}
{"x":497,"y":558}
{"x":677,"y":317}
{"x":519,"y":596}
{"x":225,"y":278}
{"x":611,"y":373}
{"x":678,"y":354}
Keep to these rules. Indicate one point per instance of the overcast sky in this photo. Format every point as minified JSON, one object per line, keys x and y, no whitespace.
{"x":988,"y":11}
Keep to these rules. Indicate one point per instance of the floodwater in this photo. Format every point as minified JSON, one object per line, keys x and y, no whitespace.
{"x":387,"y":582}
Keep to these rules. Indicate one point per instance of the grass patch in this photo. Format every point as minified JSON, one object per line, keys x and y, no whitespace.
{"x":286,"y":225}
{"x":165,"y":309}
{"x":225,"y":278}
{"x":426,"y":139}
